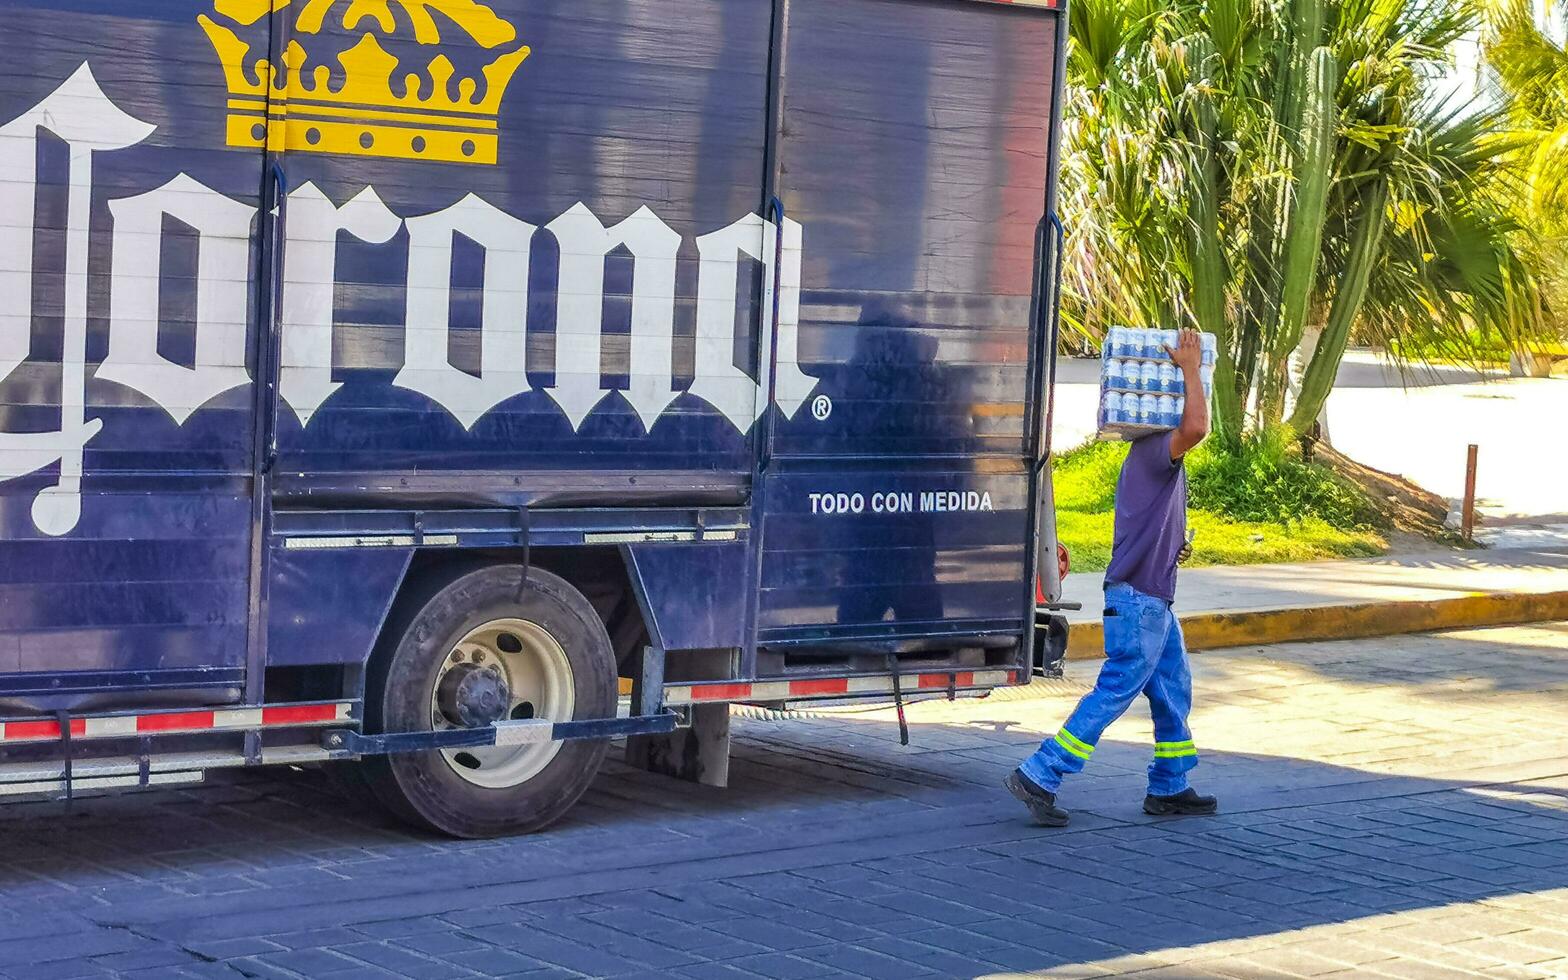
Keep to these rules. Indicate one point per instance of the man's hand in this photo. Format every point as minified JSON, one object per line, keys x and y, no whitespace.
{"x":1187,"y":355}
{"x":1188,"y":352}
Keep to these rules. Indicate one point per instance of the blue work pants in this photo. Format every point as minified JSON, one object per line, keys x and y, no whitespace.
{"x":1144,"y":654}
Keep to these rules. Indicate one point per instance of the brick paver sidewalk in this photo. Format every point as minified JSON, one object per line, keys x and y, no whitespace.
{"x":1393,"y":807}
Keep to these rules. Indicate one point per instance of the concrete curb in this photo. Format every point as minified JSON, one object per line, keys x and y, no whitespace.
{"x":1345,"y":621}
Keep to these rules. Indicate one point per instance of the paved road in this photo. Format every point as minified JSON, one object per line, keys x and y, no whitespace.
{"x":1393,"y":808}
{"x":1424,"y":424}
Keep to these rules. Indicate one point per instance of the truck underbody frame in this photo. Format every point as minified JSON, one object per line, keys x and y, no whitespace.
{"x":151,"y":749}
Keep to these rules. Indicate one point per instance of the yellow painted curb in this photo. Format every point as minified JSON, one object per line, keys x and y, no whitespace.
{"x":1218,"y":630}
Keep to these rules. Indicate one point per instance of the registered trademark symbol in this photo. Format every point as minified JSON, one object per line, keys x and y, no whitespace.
{"x":821,"y":408}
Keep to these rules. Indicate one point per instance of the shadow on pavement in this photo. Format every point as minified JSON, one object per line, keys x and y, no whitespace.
{"x":1366,"y":373}
{"x":822,"y":813}
{"x":1480,"y":560}
{"x":1452,"y":667}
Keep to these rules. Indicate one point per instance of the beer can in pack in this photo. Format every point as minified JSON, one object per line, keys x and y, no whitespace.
{"x":1149,"y":376}
{"x":1148,"y":409}
{"x":1114,"y":377}
{"x":1167,"y":412}
{"x":1128,"y":412}
{"x":1121,"y":345}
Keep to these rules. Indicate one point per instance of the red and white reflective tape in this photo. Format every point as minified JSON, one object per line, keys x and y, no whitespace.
{"x":1052,"y":4}
{"x":179,"y":722}
{"x":827,"y":687}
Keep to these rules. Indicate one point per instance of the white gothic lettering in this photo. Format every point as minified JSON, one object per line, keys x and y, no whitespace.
{"x":79,"y":114}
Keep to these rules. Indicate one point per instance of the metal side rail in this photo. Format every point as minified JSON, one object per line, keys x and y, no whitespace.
{"x":67,"y":775}
{"x":346,"y":742}
{"x":176,"y":721}
{"x":948,"y":683}
{"x":49,"y":778}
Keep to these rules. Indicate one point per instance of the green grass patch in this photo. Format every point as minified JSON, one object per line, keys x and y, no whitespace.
{"x":1261,"y":505}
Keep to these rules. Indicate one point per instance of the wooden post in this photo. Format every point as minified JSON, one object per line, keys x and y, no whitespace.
{"x":1469,"y":511}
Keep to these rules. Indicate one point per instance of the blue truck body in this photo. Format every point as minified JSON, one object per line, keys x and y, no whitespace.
{"x":737,"y":314}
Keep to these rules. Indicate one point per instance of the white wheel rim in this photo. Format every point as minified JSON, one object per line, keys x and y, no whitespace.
{"x":538,"y":675}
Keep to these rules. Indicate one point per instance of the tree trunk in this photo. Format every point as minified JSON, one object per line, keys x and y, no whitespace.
{"x":1209,"y":275}
{"x":1311,"y":338}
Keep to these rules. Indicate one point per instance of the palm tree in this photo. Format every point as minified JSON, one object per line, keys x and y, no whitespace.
{"x":1274,"y":174}
{"x":1532,"y":70}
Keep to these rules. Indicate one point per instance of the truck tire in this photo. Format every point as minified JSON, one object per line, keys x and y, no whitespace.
{"x":539,"y":636}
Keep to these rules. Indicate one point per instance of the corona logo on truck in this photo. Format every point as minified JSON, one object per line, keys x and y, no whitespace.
{"x":384,"y":107}
{"x":293,"y":107}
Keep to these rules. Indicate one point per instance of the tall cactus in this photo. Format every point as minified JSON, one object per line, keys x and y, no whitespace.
{"x":1311,"y":174}
{"x":1209,"y":275}
{"x":1303,"y":30}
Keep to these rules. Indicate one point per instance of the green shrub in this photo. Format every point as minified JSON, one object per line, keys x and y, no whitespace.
{"x":1266,"y":481}
{"x":1258,"y":506}
{"x":1473,"y":347}
{"x":1085,"y":478}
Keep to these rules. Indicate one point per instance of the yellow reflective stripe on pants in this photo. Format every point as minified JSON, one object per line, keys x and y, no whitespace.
{"x":1174,"y":750}
{"x":1071,"y":743}
{"x":1074,"y":740}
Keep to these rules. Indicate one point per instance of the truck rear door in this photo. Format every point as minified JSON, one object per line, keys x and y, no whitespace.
{"x":916,"y":152}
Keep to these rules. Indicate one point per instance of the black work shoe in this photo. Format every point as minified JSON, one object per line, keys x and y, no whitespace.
{"x":1041,"y":803}
{"x":1187,"y":803}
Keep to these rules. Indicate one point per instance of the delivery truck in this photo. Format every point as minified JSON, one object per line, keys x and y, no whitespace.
{"x":446,"y":391}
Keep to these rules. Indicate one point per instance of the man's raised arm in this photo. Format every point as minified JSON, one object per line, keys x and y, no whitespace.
{"x":1187,"y":355}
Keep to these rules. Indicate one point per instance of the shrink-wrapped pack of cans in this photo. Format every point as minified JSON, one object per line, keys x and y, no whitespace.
{"x":1141,"y":391}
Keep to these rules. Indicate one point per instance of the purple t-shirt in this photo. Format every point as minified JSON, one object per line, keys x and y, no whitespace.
{"x":1151,"y":519}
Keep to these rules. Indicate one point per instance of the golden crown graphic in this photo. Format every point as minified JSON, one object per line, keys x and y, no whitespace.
{"x":365,"y":107}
